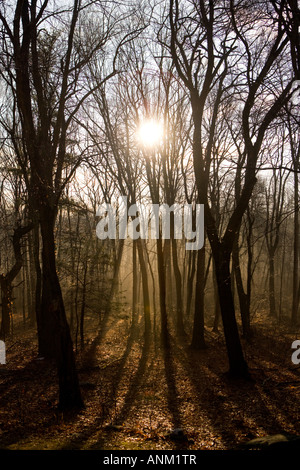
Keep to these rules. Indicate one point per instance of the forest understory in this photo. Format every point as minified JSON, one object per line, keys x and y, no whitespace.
{"x":136,"y":396}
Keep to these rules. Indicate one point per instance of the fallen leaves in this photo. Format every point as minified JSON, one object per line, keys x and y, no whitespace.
{"x":134,"y":400}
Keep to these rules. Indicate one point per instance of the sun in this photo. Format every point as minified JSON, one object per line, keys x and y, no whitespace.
{"x":150,"y":133}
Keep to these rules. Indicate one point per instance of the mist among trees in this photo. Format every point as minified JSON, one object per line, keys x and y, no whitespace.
{"x":176,"y":103}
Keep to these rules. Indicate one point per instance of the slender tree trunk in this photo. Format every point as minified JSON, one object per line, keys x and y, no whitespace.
{"x":83,"y":301}
{"x":30,"y":279}
{"x":272,"y":302}
{"x":243,"y":296}
{"x":162,"y":294}
{"x":7,"y":280}
{"x":178,"y":281}
{"x":114,"y":283}
{"x":153,"y":297}
{"x":6,"y":299}
{"x":146,"y":296}
{"x":38,"y":285}
{"x":134,"y":286}
{"x":190,"y":281}
{"x":280,"y":311}
{"x":295,"y":304}
{"x":71,"y":303}
{"x":168,"y":275}
{"x":198,"y":338}
{"x":217,"y":310}
{"x":25,"y":288}
{"x":72,"y":258}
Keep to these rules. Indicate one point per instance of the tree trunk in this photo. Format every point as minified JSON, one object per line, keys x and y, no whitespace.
{"x":190,"y":281}
{"x":243,"y":296}
{"x":237,"y":364}
{"x":114,"y":283}
{"x":6,"y":294}
{"x":282,"y":272}
{"x":146,"y":296}
{"x":168,"y":275}
{"x":134,"y":286}
{"x":272,"y":303}
{"x":178,"y":281}
{"x":295,"y":304}
{"x":38,"y":285}
{"x":55,"y":329}
{"x":162,"y":294}
{"x":7,"y":280}
{"x":198,"y":340}
{"x":83,"y":301}
{"x":30,"y":278}
{"x":217,"y":310}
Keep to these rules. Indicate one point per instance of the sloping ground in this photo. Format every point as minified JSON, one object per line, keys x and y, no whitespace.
{"x":135,"y":396}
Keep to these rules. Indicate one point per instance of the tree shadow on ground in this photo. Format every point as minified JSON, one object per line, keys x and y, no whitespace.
{"x":173,"y":400}
{"x":134,"y":385}
{"x":89,"y":355}
{"x":108,"y":399}
{"x":233,"y":404}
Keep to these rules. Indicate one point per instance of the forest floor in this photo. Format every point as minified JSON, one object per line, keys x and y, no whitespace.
{"x":134,"y":396}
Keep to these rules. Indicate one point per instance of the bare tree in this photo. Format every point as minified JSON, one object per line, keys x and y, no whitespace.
{"x":51,"y":64}
{"x":203,"y":66}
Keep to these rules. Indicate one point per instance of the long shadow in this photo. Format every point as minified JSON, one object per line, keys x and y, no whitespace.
{"x":133,"y":390}
{"x":79,"y":440}
{"x":220,"y":404}
{"x":266,"y":349}
{"x":89,"y":355}
{"x":172,"y":393}
{"x":132,"y":393}
{"x":202,"y":381}
{"x":18,"y":380}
